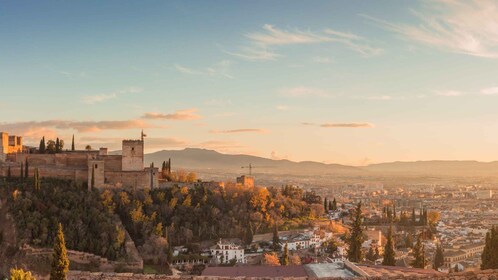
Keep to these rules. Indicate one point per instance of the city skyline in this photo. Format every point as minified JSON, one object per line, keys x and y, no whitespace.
{"x":337,"y":82}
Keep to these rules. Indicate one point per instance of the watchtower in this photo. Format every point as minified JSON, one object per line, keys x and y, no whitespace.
{"x":133,"y":155}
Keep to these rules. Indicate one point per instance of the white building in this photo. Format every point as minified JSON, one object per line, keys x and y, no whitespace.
{"x":484,"y":194}
{"x":224,"y":252}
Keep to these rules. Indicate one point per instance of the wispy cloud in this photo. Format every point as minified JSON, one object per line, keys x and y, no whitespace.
{"x":180,"y":115}
{"x":221,"y":69}
{"x":347,"y":125}
{"x":92,"y":99}
{"x":304,"y":92}
{"x":282,"y":107}
{"x":460,"y":26}
{"x":449,"y":93}
{"x":322,"y":59}
{"x":489,"y":91}
{"x":40,"y":128}
{"x":261,"y":42}
{"x":341,"y":125}
{"x":240,"y":130}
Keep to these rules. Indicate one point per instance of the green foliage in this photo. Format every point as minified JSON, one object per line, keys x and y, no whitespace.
{"x":88,"y":225}
{"x":371,"y":254}
{"x":19,"y":274}
{"x":356,"y":238}
{"x":489,"y":256}
{"x":42,"y":148}
{"x":285,"y":257}
{"x":60,"y":262}
{"x":419,"y":254}
{"x":389,"y":253}
{"x":276,"y":239}
{"x":199,"y":213}
{"x":438,"y":257}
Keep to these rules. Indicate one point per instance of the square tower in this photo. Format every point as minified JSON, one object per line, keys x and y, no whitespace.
{"x":133,"y":155}
{"x":4,"y":145}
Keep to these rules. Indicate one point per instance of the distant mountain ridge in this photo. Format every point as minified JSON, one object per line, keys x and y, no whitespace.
{"x":203,"y":159}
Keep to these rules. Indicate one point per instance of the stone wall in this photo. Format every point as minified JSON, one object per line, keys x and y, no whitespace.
{"x":133,"y":155}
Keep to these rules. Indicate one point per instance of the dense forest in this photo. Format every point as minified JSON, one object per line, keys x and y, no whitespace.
{"x":156,"y":219}
{"x":182,"y":215}
{"x":37,"y":212}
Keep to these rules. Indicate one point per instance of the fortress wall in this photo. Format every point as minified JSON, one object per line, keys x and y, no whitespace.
{"x":113,"y":163}
{"x":77,"y":160}
{"x":136,"y":179}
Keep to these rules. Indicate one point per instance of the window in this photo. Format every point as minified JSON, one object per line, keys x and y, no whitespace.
{"x":96,"y":166}
{"x":133,"y":148}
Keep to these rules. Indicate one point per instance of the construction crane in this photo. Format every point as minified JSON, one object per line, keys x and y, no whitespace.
{"x":250,"y":167}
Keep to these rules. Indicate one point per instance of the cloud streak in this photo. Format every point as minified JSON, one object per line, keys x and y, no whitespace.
{"x":304,"y":92}
{"x":341,"y":125}
{"x":240,"y":130}
{"x":98,"y":98}
{"x":468,"y":27}
{"x":180,"y":115}
{"x":261,"y":42}
{"x":220,"y":69}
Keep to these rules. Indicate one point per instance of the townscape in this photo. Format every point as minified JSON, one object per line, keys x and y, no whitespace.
{"x":248,"y":140}
{"x":173,"y":223}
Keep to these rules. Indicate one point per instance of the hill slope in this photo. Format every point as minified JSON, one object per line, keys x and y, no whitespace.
{"x":201,"y":159}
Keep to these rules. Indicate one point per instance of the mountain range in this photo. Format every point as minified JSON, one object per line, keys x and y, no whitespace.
{"x":209,"y":160}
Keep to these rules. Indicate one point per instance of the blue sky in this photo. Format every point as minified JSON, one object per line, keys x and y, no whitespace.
{"x":350,"y":82}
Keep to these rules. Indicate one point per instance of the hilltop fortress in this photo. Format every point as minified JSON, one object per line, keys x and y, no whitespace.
{"x":108,"y":171}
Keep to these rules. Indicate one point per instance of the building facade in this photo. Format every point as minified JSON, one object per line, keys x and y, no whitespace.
{"x":224,"y":252}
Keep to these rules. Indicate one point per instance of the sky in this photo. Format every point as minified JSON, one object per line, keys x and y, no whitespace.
{"x":349,"y":82}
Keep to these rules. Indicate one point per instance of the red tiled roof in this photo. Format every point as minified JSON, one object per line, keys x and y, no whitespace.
{"x":256,"y":271}
{"x":393,"y":271}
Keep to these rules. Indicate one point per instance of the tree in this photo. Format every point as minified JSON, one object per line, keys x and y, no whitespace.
{"x":408,"y":240}
{"x":414,"y":219}
{"x":356,"y":238}
{"x":419,"y":254}
{"x":72,"y":144}
{"x":60,"y":262}
{"x":295,"y":259}
{"x":371,"y":254}
{"x":271,"y":259}
{"x":285,"y":257}
{"x":57,"y":145}
{"x":51,"y":147}
{"x":22,"y":172}
{"x":276,"y":239}
{"x":248,"y":236}
{"x":36,"y":180}
{"x":42,"y":148}
{"x":438,"y":257}
{"x":88,"y":147}
{"x":9,"y":173}
{"x":389,"y":253}
{"x":334,"y":205}
{"x":92,"y":181}
{"x":325,"y":205}
{"x":489,"y":255}
{"x":26,"y":170}
{"x":19,"y":274}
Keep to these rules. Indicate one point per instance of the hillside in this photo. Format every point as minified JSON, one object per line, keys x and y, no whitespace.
{"x":209,"y":160}
{"x":201,"y":159}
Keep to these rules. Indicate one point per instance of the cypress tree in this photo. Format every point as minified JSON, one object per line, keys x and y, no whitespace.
{"x":60,"y":262}
{"x":438,"y":257}
{"x":22,"y":172}
{"x":325,"y":204}
{"x":356,"y":239}
{"x":334,"y":205}
{"x":72,"y":144}
{"x":57,"y":145}
{"x":26,"y":170}
{"x":276,"y":239}
{"x":37,"y":179}
{"x":42,"y":147}
{"x":285,"y":257}
{"x":489,"y":256}
{"x":414,"y":219}
{"x":370,"y":255}
{"x":330,"y":205}
{"x":419,"y":254}
{"x":92,"y":183}
{"x":389,"y":253}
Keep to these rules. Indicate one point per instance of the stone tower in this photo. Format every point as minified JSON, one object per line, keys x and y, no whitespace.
{"x":4,"y":145}
{"x":133,"y":155}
